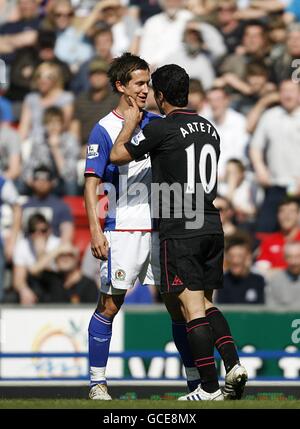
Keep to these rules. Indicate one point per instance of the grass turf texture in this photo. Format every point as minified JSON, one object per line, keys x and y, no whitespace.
{"x":145,"y":404}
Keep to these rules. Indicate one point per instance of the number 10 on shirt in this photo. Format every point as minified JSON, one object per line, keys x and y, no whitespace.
{"x":207,"y":151}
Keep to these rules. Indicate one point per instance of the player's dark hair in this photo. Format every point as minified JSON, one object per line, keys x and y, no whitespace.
{"x":34,"y":220}
{"x":289,"y":200}
{"x":173,"y":82}
{"x":122,"y":67}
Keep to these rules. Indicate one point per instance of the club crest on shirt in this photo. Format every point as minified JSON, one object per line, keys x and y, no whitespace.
{"x":138,"y":138}
{"x":92,"y":151}
{"x":120,"y":275}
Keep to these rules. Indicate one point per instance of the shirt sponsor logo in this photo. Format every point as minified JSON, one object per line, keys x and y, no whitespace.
{"x":136,"y":140}
{"x":92,"y":151}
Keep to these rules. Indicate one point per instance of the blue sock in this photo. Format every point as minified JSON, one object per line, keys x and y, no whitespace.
{"x":181,"y":342}
{"x":100,"y":331}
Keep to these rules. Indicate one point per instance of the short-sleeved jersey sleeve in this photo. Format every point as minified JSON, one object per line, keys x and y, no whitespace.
{"x":98,"y":150}
{"x":147,"y":140}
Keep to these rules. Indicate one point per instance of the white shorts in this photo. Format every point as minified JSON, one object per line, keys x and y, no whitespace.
{"x":132,"y":256}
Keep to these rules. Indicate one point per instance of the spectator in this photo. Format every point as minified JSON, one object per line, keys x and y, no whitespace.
{"x":227,"y":215}
{"x":71,"y":45}
{"x":103,"y":42}
{"x":25,"y":62}
{"x":285,"y":65}
{"x":43,"y":201}
{"x":162,"y":34}
{"x":144,"y":9}
{"x":212,"y":39}
{"x":9,"y":196}
{"x":122,"y":24}
{"x":277,"y":35}
{"x":32,"y":255}
{"x":58,"y":150}
{"x":202,"y":9}
{"x":22,"y":32}
{"x":9,"y":11}
{"x":277,"y":165}
{"x":240,"y":190}
{"x":254,"y":89}
{"x":48,"y":81}
{"x":231,"y":127}
{"x":6,"y":114}
{"x":197,"y":98}
{"x":94,"y":104}
{"x":66,"y":284}
{"x":254,"y":48}
{"x":293,"y":11}
{"x":283,"y":288}
{"x":260,"y":9}
{"x":271,"y":254}
{"x":241,"y":286}
{"x":230,"y":27}
{"x":10,"y":151}
{"x":193,"y":58}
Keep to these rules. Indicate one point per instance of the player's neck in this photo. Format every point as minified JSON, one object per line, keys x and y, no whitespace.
{"x":168,"y":108}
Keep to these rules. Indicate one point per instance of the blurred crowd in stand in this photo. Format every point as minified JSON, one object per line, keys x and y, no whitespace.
{"x":243,"y":58}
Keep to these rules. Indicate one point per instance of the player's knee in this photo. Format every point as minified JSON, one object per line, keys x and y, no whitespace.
{"x":109,"y":305}
{"x":208,"y":299}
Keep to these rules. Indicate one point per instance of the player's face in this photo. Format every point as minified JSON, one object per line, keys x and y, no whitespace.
{"x":159,"y":105}
{"x":138,"y":87}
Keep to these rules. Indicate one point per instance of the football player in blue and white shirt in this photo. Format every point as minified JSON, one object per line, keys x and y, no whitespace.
{"x":128,"y":248}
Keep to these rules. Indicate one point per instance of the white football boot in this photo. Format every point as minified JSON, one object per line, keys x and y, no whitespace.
{"x":99,"y":392}
{"x":235,"y":382}
{"x":200,"y":395}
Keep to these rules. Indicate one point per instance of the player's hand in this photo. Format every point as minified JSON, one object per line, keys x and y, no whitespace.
{"x":100,"y":246}
{"x":132,"y":115}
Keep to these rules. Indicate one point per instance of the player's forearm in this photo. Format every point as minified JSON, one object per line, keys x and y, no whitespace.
{"x":119,"y":154}
{"x":91,"y":202}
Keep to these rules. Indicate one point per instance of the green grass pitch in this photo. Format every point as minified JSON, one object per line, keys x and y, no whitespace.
{"x":145,"y":404}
